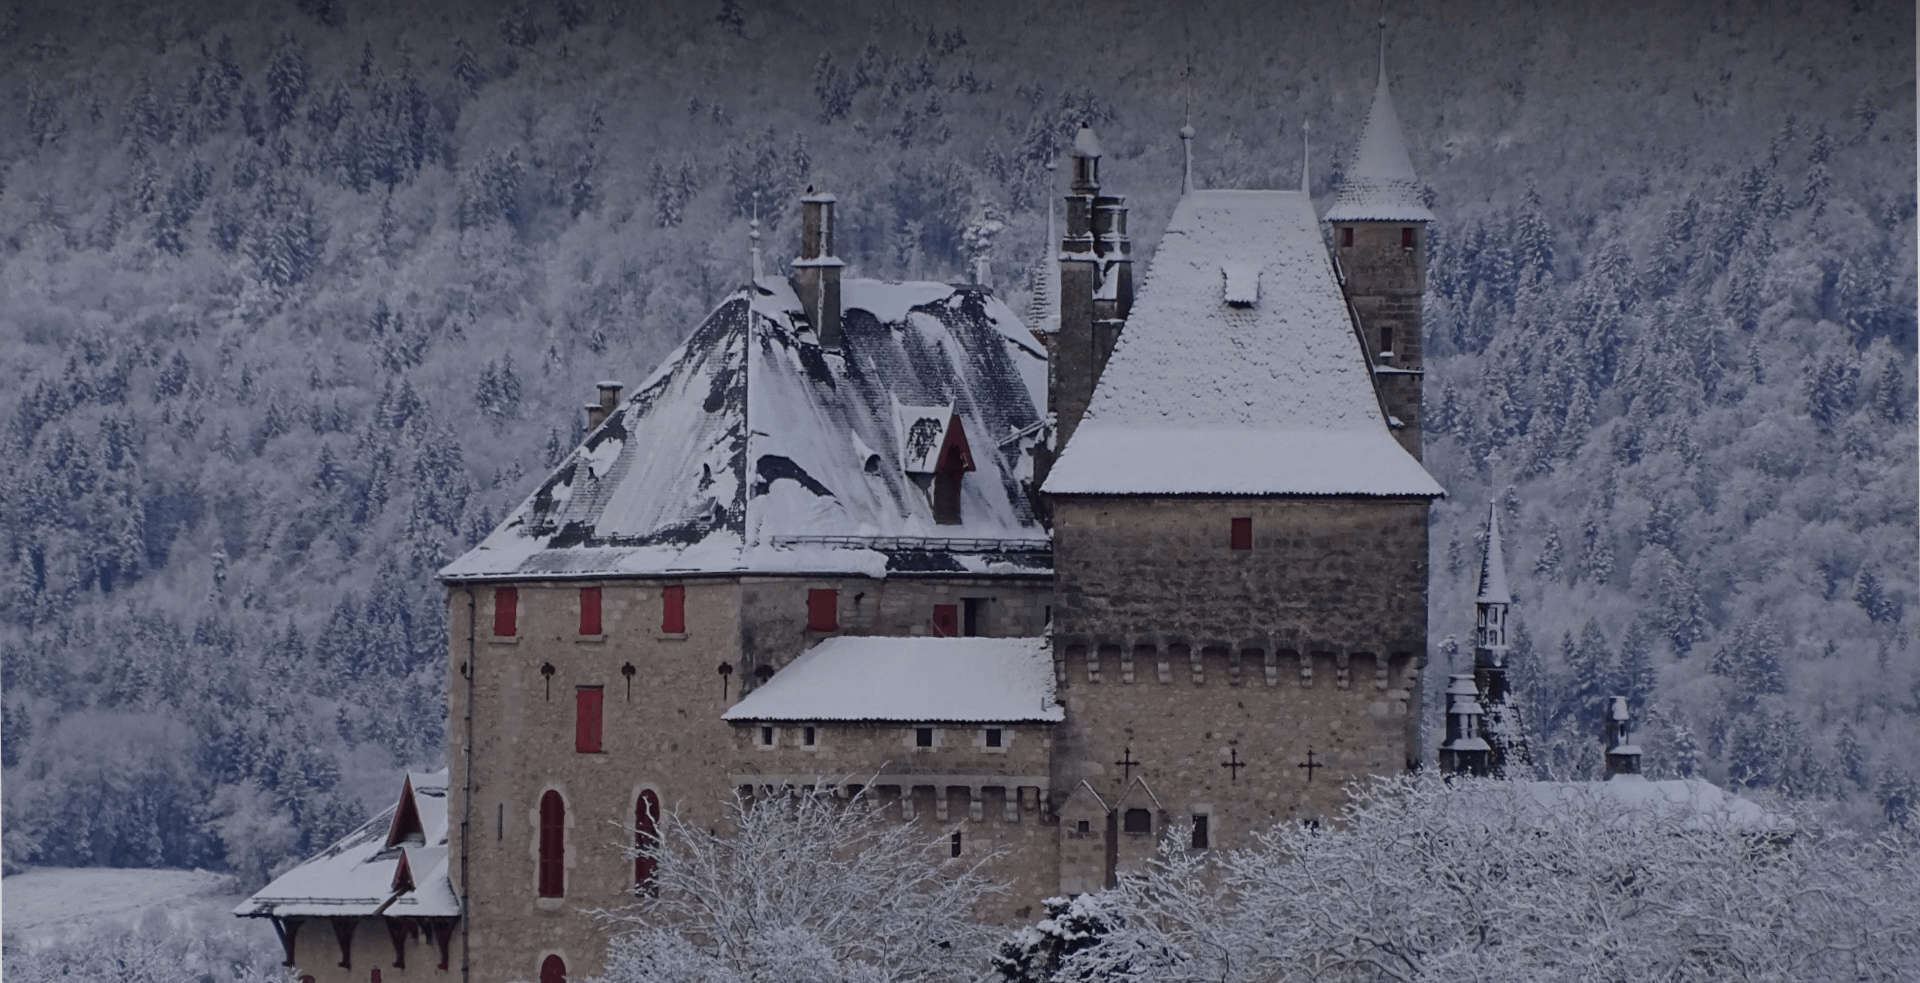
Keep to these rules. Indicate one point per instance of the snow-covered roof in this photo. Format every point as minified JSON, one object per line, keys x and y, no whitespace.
{"x":1695,"y":802}
{"x":358,"y":875}
{"x":1493,"y":564}
{"x":1218,"y":391}
{"x":925,"y":680}
{"x":752,"y":449}
{"x":1380,"y":185}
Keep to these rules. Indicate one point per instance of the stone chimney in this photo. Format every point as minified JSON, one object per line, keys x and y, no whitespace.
{"x":609,"y":398}
{"x":1096,"y":289}
{"x":816,"y":274}
{"x":1623,"y":756}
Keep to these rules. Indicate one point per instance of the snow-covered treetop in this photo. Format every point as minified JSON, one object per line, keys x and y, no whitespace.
{"x":985,"y":680}
{"x":1216,"y":388}
{"x":753,"y":449}
{"x":1380,"y":185}
{"x":396,"y":863}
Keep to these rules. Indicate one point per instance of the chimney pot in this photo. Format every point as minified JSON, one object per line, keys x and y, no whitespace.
{"x":610,"y":396}
{"x":596,"y":415}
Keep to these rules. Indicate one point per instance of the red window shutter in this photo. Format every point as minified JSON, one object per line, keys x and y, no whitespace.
{"x":946,"y":620}
{"x":1406,"y":238}
{"x":586,"y":731}
{"x":1346,"y":236}
{"x":1243,"y":534}
{"x":506,"y":611}
{"x":646,"y":817}
{"x":673,"y":610}
{"x":589,"y":610}
{"x":553,"y":970}
{"x":823,"y":610}
{"x":553,"y":848}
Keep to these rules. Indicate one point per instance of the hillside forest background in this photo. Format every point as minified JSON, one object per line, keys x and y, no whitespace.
{"x":298,"y":298}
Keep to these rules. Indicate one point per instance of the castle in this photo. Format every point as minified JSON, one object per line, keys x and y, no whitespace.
{"x":1156,"y":560}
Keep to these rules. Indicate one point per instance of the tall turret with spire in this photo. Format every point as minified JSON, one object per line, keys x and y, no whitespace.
{"x":1500,"y":722}
{"x":1379,"y":221}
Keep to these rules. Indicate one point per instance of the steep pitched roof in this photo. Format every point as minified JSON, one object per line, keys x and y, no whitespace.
{"x":752,"y":449}
{"x":361,"y":874}
{"x":1380,"y":185}
{"x":926,"y":680}
{"x":1238,"y":371}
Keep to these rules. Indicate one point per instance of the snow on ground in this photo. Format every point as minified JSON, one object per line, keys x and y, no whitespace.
{"x":50,"y":905}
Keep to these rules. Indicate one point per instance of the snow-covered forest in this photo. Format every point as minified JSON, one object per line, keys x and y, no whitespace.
{"x":297,"y":298}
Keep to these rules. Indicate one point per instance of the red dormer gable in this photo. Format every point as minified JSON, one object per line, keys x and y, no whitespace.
{"x":406,"y":818}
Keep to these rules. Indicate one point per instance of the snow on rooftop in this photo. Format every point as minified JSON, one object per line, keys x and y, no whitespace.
{"x":356,"y":875}
{"x":1695,"y":802}
{"x":749,"y":449}
{"x":911,"y":679}
{"x":1205,"y":396}
{"x":1380,"y":184}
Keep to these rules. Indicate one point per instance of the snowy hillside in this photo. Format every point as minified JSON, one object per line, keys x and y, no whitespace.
{"x":298,"y":298}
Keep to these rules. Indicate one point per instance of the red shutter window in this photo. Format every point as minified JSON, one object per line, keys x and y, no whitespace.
{"x":589,"y":610}
{"x":946,"y":620}
{"x":1243,"y":534}
{"x":1346,"y":236}
{"x":553,"y":970}
{"x":553,"y":849}
{"x":506,"y":611}
{"x":586,"y":730}
{"x":646,"y":818}
{"x":673,"y":610}
{"x":1406,"y":238}
{"x":823,"y":610}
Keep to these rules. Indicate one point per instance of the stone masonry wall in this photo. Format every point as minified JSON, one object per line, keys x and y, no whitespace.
{"x":660,"y":730}
{"x":995,"y":798}
{"x":1197,"y":678}
{"x":1386,"y":283}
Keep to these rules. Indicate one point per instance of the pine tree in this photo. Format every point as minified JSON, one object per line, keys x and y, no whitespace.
{"x":286,"y":80}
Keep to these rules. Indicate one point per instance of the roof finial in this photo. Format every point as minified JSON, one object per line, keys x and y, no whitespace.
{"x":1306,"y":156}
{"x":1383,"y":39}
{"x":753,"y":236}
{"x":1053,"y":238}
{"x":1186,"y":136}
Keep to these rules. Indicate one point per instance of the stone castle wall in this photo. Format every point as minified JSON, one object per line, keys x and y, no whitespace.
{"x":1184,"y":656}
{"x":660,"y":729}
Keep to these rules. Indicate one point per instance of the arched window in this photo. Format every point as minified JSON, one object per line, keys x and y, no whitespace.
{"x":553,"y":852}
{"x":646,"y":817}
{"x":553,"y":969}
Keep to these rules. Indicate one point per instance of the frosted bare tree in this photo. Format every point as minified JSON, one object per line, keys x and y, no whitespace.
{"x":1496,"y":881}
{"x":804,"y":888}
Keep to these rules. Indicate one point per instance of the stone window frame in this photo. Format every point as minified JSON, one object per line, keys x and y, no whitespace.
{"x":766,"y":737}
{"x":809,"y":735}
{"x":987,"y":735}
{"x":933,"y":737}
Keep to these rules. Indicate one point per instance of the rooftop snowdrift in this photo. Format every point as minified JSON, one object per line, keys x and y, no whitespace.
{"x":356,"y":876}
{"x":1217,"y":389}
{"x":752,"y":449}
{"x":922,"y":680}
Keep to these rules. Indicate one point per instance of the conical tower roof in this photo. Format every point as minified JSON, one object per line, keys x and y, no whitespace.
{"x":1493,"y":564}
{"x":1380,"y":185}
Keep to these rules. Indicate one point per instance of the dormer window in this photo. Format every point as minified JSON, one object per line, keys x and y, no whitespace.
{"x":934,"y":453}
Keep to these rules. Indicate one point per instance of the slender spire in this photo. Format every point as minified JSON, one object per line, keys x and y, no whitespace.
{"x":1493,"y":563}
